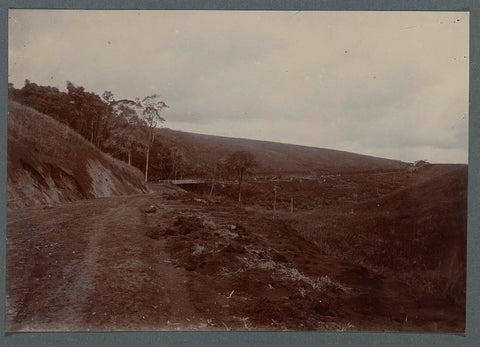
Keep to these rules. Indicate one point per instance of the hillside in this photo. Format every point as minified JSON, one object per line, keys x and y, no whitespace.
{"x":48,"y":162}
{"x":417,"y":234}
{"x":274,"y":158}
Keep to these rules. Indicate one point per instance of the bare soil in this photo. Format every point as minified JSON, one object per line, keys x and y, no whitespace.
{"x":176,"y":260}
{"x":48,"y":162}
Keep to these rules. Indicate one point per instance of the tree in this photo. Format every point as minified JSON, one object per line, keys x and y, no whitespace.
{"x":134,"y":124}
{"x":109,"y":101}
{"x":150,"y":108}
{"x":213,"y":173}
{"x":239,"y":163}
{"x":177,"y":162}
{"x":165,"y":161}
{"x":125,"y":129}
{"x":89,"y":113}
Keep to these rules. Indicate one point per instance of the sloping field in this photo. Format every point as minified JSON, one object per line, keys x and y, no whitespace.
{"x":273,"y":157}
{"x":48,"y":162}
{"x":415,"y":234}
{"x":424,"y":224}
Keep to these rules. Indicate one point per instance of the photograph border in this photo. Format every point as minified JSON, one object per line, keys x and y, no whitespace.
{"x":173,"y":338}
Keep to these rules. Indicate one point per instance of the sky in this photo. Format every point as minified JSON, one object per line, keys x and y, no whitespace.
{"x":387,"y":84}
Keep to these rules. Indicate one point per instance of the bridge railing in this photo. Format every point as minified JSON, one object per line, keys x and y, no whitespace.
{"x":196,"y":181}
{"x":192,"y":181}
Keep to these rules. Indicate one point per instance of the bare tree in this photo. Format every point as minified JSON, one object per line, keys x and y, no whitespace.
{"x":150,"y":108}
{"x":239,"y":163}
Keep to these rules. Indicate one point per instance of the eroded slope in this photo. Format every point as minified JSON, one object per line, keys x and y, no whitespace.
{"x":48,"y":163}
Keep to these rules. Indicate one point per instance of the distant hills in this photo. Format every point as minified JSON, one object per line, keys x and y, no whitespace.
{"x":274,"y":158}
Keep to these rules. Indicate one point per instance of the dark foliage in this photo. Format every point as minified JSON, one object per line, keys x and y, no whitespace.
{"x":84,"y":112}
{"x":117,"y":127}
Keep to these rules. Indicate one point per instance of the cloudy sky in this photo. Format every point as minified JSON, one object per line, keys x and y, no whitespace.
{"x":389,"y":84}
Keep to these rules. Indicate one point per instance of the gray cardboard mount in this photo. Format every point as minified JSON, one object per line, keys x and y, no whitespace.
{"x":472,"y":335}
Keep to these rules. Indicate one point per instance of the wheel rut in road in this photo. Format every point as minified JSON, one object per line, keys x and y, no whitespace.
{"x":101,"y":273}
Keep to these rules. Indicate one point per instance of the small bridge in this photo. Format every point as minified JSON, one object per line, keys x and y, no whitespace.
{"x":179,"y":182}
{"x":192,"y":182}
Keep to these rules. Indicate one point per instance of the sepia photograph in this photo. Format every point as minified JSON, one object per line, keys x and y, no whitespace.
{"x":201,"y":170}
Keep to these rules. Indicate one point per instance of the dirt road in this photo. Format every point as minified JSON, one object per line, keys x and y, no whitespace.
{"x":88,"y":265}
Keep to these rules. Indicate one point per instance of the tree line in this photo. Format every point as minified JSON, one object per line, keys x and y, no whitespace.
{"x":125,"y":129}
{"x":122,"y":128}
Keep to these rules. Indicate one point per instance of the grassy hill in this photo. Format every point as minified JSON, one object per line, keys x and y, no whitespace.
{"x":274,"y":158}
{"x":48,"y":162}
{"x":417,"y":233}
